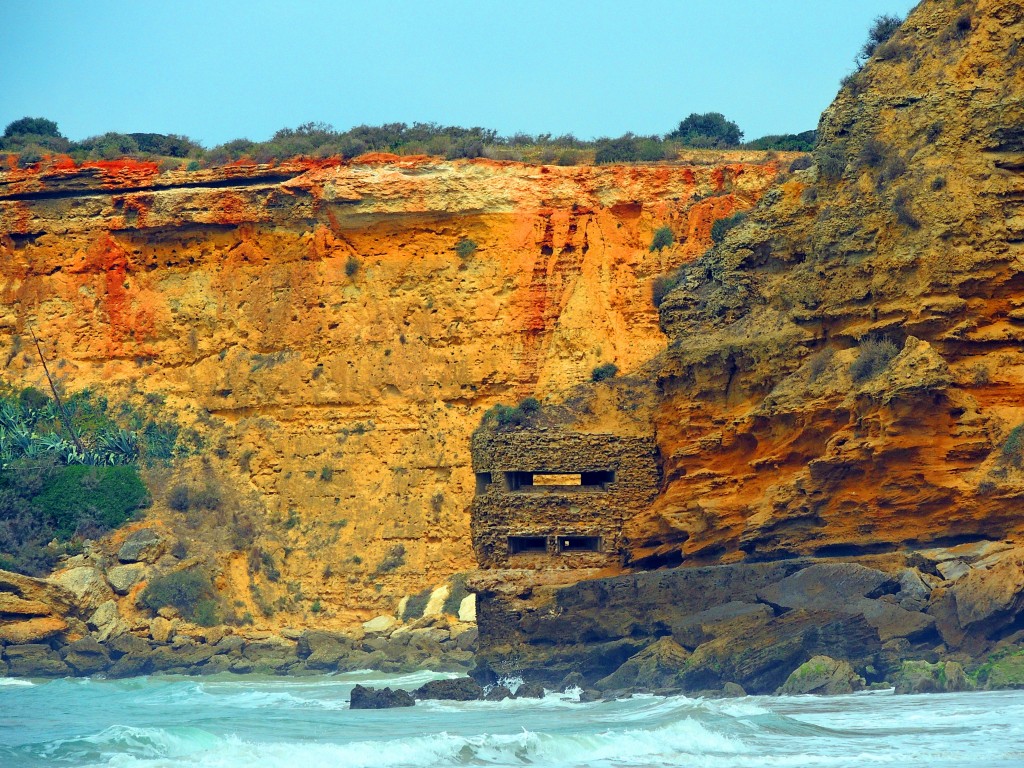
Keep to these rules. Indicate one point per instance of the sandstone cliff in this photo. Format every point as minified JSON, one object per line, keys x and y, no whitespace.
{"x":315,"y":327}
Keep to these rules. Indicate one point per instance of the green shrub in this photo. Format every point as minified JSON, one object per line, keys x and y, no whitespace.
{"x":35,"y":126}
{"x":416,"y":604}
{"x":901,"y":207}
{"x":831,"y":160}
{"x":326,"y":473}
{"x":190,"y":592}
{"x":465,"y":248}
{"x":663,"y":238}
{"x":456,"y":594}
{"x":351,"y":266}
{"x":192,"y":166}
{"x":661,"y":285}
{"x":873,"y":153}
{"x":106,"y":496}
{"x":179,"y":499}
{"x":621,"y":150}
{"x":709,"y":129}
{"x":604,"y":371}
{"x":1013,"y":447}
{"x":938,"y":183}
{"x":801,"y":163}
{"x":722,"y":227}
{"x":785,"y":142}
{"x":874,"y":356}
{"x":513,"y":416}
{"x":393,"y":560}
{"x":883,"y":28}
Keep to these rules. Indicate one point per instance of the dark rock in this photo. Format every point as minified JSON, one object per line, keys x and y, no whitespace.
{"x":660,"y":665}
{"x":733,"y":691}
{"x":215,"y":665}
{"x":760,"y":660}
{"x":466,"y":641}
{"x":572,"y":680}
{"x":86,"y":656}
{"x":130,"y":665}
{"x":589,"y":694}
{"x":232,"y":644}
{"x":385,"y":698}
{"x":124,"y":644}
{"x":457,"y":689}
{"x":35,"y":660}
{"x":728,"y":619}
{"x":530,"y":691}
{"x":498,"y":693}
{"x":322,"y":650}
{"x":550,"y":664}
{"x":827,"y":587}
{"x":145,"y":545}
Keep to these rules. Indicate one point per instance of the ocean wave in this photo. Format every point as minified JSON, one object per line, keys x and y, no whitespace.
{"x":15,"y":681}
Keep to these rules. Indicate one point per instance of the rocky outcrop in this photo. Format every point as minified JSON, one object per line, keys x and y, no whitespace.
{"x":383,"y":698}
{"x":822,"y":675}
{"x":838,"y":415}
{"x":325,"y":349}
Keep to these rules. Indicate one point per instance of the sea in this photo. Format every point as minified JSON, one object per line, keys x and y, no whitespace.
{"x":234,"y":721}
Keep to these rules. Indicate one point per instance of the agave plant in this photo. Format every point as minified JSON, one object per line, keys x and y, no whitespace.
{"x":118,"y":446}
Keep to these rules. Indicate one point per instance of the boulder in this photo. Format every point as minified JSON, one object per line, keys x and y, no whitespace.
{"x":87,"y":584}
{"x":989,"y":598}
{"x":467,"y":609}
{"x":58,"y":601}
{"x":123,"y":645}
{"x":106,"y":622}
{"x":823,"y":675}
{"x":34,"y":660}
{"x":131,"y":665}
{"x":384,"y":698}
{"x":144,"y":545}
{"x":32,"y":630}
{"x":498,"y":693}
{"x":914,"y":590}
{"x":530,"y":691}
{"x":467,"y":640}
{"x":916,"y":676}
{"x":660,"y":665}
{"x":162,"y":630}
{"x":12,"y":605}
{"x":123,"y":577}
{"x":86,"y":656}
{"x":456,"y":689}
{"x":1005,"y":672}
{"x":380,"y":624}
{"x":952,"y":570}
{"x":827,"y":587}
{"x":758,"y":660}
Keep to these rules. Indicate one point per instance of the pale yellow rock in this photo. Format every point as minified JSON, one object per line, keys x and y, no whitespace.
{"x":435,"y":604}
{"x":32,"y":630}
{"x":380,"y":624}
{"x":467,"y":609}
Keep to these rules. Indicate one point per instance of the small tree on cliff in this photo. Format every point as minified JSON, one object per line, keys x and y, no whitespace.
{"x":711,"y":129}
{"x":33,"y":126}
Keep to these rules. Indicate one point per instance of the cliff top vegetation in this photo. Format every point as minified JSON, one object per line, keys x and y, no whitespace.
{"x":32,"y":138}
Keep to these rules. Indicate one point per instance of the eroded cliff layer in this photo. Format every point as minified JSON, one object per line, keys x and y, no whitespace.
{"x":329,"y":341}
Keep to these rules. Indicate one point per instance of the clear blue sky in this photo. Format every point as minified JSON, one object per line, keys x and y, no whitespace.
{"x":217,"y":70}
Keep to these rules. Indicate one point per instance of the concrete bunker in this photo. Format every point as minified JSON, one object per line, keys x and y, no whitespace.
{"x":553,"y":498}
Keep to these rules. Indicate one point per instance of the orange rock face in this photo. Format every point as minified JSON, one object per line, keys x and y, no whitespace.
{"x":316,"y":328}
{"x":784,"y":430}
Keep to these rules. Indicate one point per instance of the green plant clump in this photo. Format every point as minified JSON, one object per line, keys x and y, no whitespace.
{"x":722,"y":227}
{"x":513,"y":416}
{"x":604,"y":371}
{"x":190,"y":592}
{"x":465,"y":248}
{"x":663,"y":238}
{"x":874,"y":357}
{"x":1013,"y":447}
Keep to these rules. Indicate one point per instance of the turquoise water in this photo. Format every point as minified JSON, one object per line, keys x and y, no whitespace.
{"x":236,"y":721}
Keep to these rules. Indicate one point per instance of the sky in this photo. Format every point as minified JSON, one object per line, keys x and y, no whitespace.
{"x":216,"y":70}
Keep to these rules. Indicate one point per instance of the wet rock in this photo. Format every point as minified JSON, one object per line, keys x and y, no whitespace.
{"x":733,"y":691}
{"x":322,"y":650}
{"x":215,"y":665}
{"x":530,"y":691}
{"x":384,"y":698}
{"x":130,"y":665}
{"x":128,"y":644}
{"x":732,"y":618}
{"x":145,"y":545}
{"x":34,"y":660}
{"x":123,"y":577}
{"x":660,"y":665}
{"x":589,"y":694}
{"x":989,"y":598}
{"x":467,"y":639}
{"x":86,"y":656}
{"x":498,"y":693}
{"x":822,"y":675}
{"x":1005,"y":672}
{"x":917,"y":676}
{"x":759,"y":660}
{"x":457,"y":689}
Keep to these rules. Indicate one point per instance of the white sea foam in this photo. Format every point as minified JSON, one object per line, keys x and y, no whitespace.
{"x":15,"y":681}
